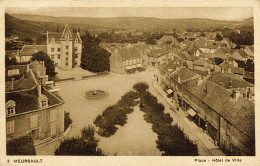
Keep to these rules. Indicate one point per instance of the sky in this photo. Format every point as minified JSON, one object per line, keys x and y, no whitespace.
{"x":217,"y":13}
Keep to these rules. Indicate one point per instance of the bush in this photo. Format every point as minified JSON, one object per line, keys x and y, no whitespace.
{"x":86,"y":145}
{"x":21,"y":146}
{"x":67,"y":120}
{"x":141,"y":87}
{"x":116,"y":114}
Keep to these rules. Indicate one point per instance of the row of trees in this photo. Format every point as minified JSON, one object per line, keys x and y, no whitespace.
{"x":116,"y":115}
{"x":171,"y":139}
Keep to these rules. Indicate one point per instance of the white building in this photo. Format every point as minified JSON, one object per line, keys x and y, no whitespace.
{"x":64,"y":49}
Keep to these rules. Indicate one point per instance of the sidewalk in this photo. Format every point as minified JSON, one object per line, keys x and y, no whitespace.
{"x":190,"y":128}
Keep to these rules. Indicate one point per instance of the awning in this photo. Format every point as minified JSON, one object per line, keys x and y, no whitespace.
{"x":133,"y":66}
{"x":128,"y":67}
{"x":169,"y":91}
{"x":191,"y":112}
{"x":139,"y":65}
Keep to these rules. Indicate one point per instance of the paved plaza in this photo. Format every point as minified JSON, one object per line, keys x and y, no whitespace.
{"x":127,"y":140}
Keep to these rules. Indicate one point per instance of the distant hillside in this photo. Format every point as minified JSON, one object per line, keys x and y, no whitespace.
{"x":26,"y":28}
{"x":131,"y":22}
{"x":31,"y":26}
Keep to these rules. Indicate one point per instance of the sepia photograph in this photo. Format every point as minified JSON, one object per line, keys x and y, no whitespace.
{"x":129,"y":81}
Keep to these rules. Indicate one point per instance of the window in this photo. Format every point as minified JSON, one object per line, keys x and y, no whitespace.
{"x":53,"y":128}
{"x":52,"y":49}
{"x":67,"y":53}
{"x":34,"y":119}
{"x":76,"y":62}
{"x":67,"y":47}
{"x":67,"y":58}
{"x":58,"y":56}
{"x":76,"y":49}
{"x":76,"y":55}
{"x":10,"y":127}
{"x":44,"y":103}
{"x":11,"y":110}
{"x":53,"y":115}
{"x":58,"y":49}
{"x":66,"y":63}
{"x":52,"y":56}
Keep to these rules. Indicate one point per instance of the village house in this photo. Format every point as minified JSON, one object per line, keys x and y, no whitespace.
{"x":27,"y":52}
{"x":33,"y":107}
{"x":126,"y":59}
{"x":64,"y":48}
{"x":239,"y":54}
{"x":158,"y":56}
{"x":225,"y":116}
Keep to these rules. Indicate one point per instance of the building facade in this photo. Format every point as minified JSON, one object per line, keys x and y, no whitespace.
{"x":33,"y":106}
{"x":64,"y":49}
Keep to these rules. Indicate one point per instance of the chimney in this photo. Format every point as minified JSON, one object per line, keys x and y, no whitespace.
{"x":236,"y":94}
{"x":39,"y":88}
{"x":12,"y":84}
{"x":27,"y":67}
{"x":179,"y":79}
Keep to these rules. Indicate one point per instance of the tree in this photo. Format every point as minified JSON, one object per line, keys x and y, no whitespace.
{"x":202,"y":34}
{"x":150,"y":40}
{"x":219,"y":37}
{"x":104,"y":35}
{"x":95,"y":58}
{"x":86,"y":145}
{"x":141,"y":86}
{"x":21,"y":146}
{"x":49,"y":64}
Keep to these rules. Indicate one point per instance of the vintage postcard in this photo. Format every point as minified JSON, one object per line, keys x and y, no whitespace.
{"x":129,"y":83}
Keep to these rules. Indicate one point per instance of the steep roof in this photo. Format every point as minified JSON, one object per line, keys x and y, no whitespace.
{"x":128,"y":53}
{"x":229,"y":80}
{"x":28,"y":100}
{"x":28,"y":81}
{"x":184,"y":74}
{"x":240,"y":112}
{"x":235,"y":70}
{"x":29,"y":50}
{"x":169,"y":67}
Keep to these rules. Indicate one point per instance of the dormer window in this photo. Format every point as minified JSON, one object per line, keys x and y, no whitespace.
{"x":11,"y":110}
{"x":44,"y":103}
{"x":10,"y":107}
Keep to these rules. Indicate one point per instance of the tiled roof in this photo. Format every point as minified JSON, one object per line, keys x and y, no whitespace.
{"x":223,"y":50}
{"x":243,"y":53}
{"x":58,"y":37}
{"x":28,"y":100}
{"x":235,"y":70}
{"x":171,"y":65}
{"x":200,"y":72}
{"x":28,"y":81}
{"x":200,"y":62}
{"x":184,"y":74}
{"x":29,"y":50}
{"x":240,"y":112}
{"x":184,"y":55}
{"x":128,"y":53}
{"x":157,"y":53}
{"x":229,"y":80}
